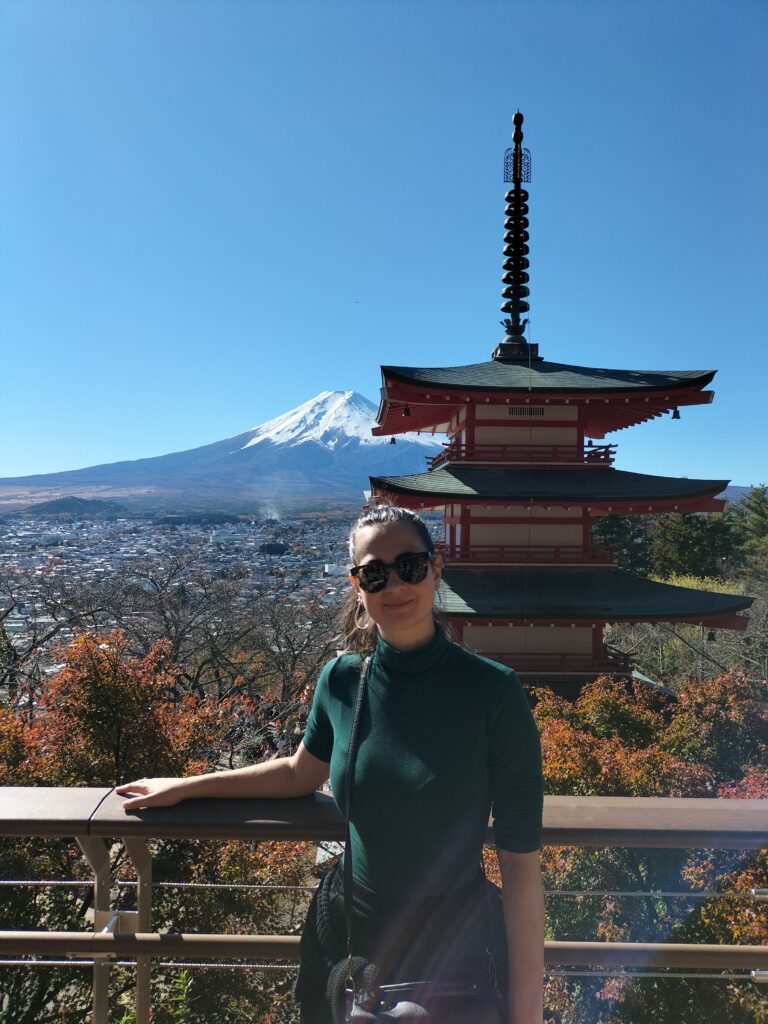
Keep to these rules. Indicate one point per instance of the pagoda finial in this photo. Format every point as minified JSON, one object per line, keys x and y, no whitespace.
{"x":517,"y":169}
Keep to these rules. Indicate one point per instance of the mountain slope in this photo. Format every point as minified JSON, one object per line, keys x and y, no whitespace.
{"x":323,"y":447}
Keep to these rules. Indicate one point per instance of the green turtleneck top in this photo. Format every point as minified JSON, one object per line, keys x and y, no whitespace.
{"x":446,"y":736}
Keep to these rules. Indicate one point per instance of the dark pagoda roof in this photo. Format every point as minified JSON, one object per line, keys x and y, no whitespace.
{"x":528,"y":484}
{"x":540,"y":375}
{"x":608,"y":595}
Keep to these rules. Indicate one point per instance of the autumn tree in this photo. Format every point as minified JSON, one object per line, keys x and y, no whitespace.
{"x":107,"y":716}
{"x":631,"y":740}
{"x":57,"y":610}
{"x":100,"y":719}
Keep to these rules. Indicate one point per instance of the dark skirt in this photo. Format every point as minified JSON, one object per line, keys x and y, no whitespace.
{"x":454,"y":937}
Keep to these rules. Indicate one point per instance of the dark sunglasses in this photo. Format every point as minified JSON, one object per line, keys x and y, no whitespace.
{"x":411,"y":567}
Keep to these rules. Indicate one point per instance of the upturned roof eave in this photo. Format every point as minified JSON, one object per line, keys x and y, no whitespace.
{"x":608,"y":595}
{"x":692,"y":379}
{"x":431,"y":402}
{"x":431,"y":485}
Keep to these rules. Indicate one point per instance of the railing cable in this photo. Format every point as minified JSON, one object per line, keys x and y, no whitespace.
{"x":670,"y":976}
{"x":729,"y":976}
{"x":244,"y":886}
{"x":652,"y":895}
{"x":120,"y":883}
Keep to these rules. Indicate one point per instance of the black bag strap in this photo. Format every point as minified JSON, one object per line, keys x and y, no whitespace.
{"x":354,"y":738}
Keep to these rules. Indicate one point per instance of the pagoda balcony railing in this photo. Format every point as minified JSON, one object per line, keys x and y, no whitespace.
{"x":526,"y":663}
{"x":510,"y":454}
{"x":520,"y":554}
{"x":95,"y":818}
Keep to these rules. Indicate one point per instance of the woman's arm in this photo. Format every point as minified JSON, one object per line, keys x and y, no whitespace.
{"x":298,"y":775}
{"x":524,"y":920}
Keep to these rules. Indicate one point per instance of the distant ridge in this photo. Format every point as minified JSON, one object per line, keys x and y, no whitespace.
{"x":734,"y":492}
{"x":322,"y":450}
{"x":75,"y":505}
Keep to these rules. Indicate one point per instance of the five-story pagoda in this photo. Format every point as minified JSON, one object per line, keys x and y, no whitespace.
{"x":520,"y":482}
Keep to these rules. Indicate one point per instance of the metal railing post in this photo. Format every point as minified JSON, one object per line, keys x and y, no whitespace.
{"x":141,"y":859}
{"x":95,"y":852}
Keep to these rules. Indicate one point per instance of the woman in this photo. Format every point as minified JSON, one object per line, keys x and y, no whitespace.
{"x":444,"y":736}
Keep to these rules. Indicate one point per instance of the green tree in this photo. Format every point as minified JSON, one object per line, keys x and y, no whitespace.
{"x":630,"y":740}
{"x":630,"y":536}
{"x":692,"y":544}
{"x":751,"y":514}
{"x":750,"y":519}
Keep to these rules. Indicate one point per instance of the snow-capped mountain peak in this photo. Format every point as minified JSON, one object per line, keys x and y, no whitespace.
{"x":323,"y":450}
{"x":330,"y":418}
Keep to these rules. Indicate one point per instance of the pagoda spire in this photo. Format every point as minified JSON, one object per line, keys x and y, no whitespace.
{"x":517,"y":169}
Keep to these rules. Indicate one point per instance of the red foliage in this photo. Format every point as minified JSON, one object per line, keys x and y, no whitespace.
{"x":721,"y":722}
{"x":98,"y":719}
{"x":13,"y":748}
{"x":753,"y":785}
{"x":628,"y":740}
{"x":107,"y":717}
{"x":609,"y":743}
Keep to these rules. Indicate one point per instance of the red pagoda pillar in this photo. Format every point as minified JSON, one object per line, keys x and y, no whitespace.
{"x":520,"y":481}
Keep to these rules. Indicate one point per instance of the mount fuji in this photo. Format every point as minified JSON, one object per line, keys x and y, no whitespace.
{"x":321,"y":449}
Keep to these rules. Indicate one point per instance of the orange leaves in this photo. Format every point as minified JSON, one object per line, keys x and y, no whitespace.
{"x":753,"y":785}
{"x":722,"y":723}
{"x":194,"y":728}
{"x":627,"y":740}
{"x":608,"y":707}
{"x":607,"y":743}
{"x":97,"y":720}
{"x":273,"y":863}
{"x":13,"y":748}
{"x":491,"y":865}
{"x":572,"y":762}
{"x":740,"y":919}
{"x":107,"y":717}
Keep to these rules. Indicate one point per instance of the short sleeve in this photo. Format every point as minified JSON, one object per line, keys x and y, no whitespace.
{"x":517,"y":786}
{"x":318,"y":735}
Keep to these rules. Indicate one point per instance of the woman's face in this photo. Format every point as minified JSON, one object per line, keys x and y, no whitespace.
{"x":402,"y":611}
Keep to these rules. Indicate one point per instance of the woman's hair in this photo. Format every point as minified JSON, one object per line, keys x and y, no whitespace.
{"x":354,"y":637}
{"x":383,"y":515}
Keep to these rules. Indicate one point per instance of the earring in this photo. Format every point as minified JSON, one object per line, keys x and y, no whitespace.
{"x":358,"y":623}
{"x":439,"y":602}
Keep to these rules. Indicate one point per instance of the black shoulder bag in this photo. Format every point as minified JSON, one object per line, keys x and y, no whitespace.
{"x":365,"y":1002}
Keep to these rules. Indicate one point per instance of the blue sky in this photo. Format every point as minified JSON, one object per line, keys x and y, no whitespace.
{"x":211,"y":210}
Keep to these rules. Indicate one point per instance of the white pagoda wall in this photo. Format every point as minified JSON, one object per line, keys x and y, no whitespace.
{"x":518,"y":512}
{"x":524,"y":534}
{"x":529,"y":639}
{"x":528,"y":434}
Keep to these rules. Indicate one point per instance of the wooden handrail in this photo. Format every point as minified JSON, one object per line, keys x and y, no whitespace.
{"x":669,"y":822}
{"x":592,"y":455}
{"x":504,"y":554}
{"x":286,"y":948}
